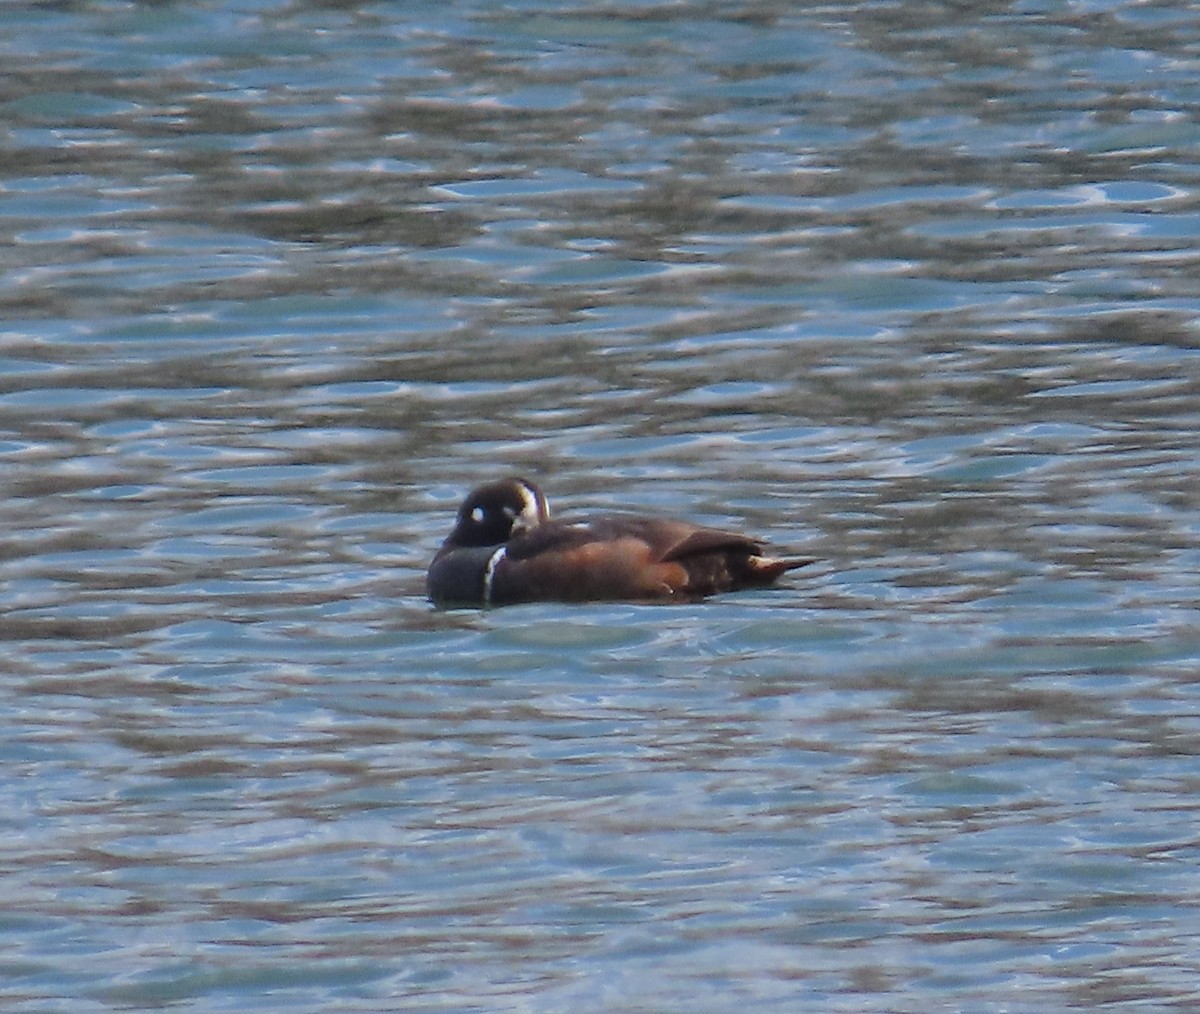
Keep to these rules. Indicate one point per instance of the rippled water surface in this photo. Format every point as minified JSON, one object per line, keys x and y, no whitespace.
{"x":910,"y":287}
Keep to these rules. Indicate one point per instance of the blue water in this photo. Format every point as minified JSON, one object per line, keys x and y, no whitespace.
{"x":910,"y":288}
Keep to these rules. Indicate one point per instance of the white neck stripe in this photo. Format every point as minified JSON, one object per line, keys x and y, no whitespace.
{"x":489,"y":573}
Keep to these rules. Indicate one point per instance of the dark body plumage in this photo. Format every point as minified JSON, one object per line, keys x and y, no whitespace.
{"x":505,"y":549}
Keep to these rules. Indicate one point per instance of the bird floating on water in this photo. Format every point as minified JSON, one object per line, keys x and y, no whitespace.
{"x":505,"y":548}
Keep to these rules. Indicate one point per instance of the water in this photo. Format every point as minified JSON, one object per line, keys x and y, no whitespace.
{"x":909,"y":287}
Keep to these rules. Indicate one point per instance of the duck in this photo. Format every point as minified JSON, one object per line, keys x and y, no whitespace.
{"x":505,"y":548}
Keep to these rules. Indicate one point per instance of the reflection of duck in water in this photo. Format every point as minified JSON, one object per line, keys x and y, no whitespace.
{"x":505,"y":548}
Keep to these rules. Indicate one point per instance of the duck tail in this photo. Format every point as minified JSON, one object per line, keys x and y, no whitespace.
{"x":766,"y":569}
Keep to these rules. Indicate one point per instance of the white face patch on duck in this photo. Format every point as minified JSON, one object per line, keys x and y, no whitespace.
{"x":534,"y":509}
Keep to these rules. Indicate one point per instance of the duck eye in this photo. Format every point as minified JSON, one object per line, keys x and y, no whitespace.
{"x":477,"y":515}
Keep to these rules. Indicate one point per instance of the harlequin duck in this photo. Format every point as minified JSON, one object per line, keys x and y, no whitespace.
{"x":504,"y":549}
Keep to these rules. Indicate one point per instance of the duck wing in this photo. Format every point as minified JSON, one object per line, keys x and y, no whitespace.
{"x":665,"y":540}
